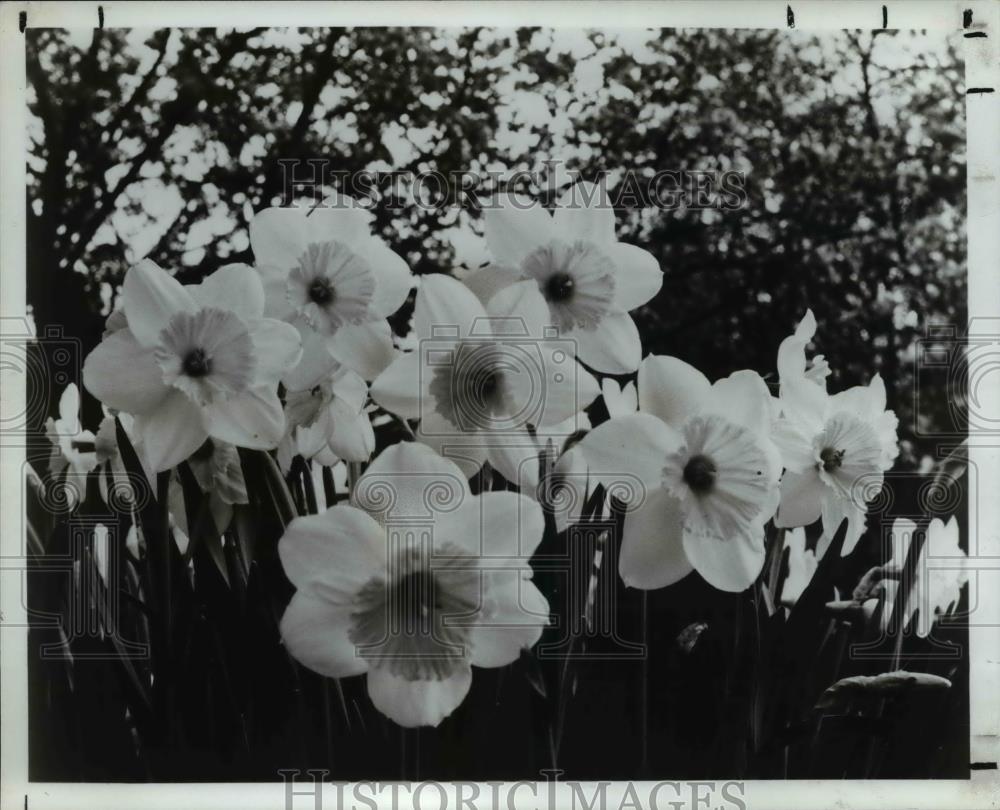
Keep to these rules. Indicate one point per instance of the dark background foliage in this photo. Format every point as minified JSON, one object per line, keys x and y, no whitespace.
{"x":855,"y":176}
{"x":854,"y":163}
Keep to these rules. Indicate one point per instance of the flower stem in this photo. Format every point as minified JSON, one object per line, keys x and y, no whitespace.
{"x":276,"y":483}
{"x":305,"y":469}
{"x":775,"y":555}
{"x":329,"y":487}
{"x":405,"y":425}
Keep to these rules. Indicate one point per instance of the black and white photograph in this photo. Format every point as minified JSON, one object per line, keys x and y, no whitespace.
{"x":497,"y":404}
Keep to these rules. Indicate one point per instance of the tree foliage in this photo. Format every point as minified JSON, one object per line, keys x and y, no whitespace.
{"x":163,"y":143}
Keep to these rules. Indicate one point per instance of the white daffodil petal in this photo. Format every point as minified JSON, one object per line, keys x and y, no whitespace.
{"x":943,"y":538}
{"x":801,"y":566}
{"x":546,"y":385}
{"x":150,"y":297}
{"x":835,"y":511}
{"x":902,"y":533}
{"x":310,"y":439}
{"x":351,"y":436}
{"x":253,"y":419}
{"x":402,"y":387}
{"x":236,"y":287}
{"x":742,"y":398}
{"x":804,"y":403}
{"x":446,"y":308}
{"x":514,"y":454}
{"x":583,"y":211}
{"x":792,"y":351}
{"x":124,"y":375}
{"x":629,"y":451}
{"x":326,"y":458}
{"x":279,"y":236}
{"x":619,"y":401}
{"x":488,"y":281}
{"x":468,"y":450}
{"x":277,"y":348}
{"x":315,"y":365}
{"x":638,"y":276}
{"x":671,"y":389}
{"x":729,"y":564}
{"x":367,"y":348}
{"x":405,"y":479}
{"x":652,"y":553}
{"x":275,"y":282}
{"x":797,"y":452}
{"x":503,"y":529}
{"x":315,"y":632}
{"x":515,"y":226}
{"x":417,"y":703}
{"x":171,"y":432}
{"x":801,"y":499}
{"x":857,"y":401}
{"x":341,"y":549}
{"x":393,"y":280}
{"x":519,"y":310}
{"x":518,"y":616}
{"x":350,"y":388}
{"x":568,"y":489}
{"x":69,"y":408}
{"x":612,"y":346}
{"x":886,"y":425}
{"x":878,"y":396}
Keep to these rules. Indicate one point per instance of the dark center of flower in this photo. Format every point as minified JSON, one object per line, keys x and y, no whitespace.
{"x":471,"y":391}
{"x":489,"y":385}
{"x":831,"y":459}
{"x":197,"y":363}
{"x":408,"y":624}
{"x":699,"y":474}
{"x":82,"y":445}
{"x":321,"y":291}
{"x":415,"y":600}
{"x":559,"y":287}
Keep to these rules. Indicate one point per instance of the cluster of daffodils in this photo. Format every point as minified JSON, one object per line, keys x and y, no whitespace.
{"x":720,"y":460}
{"x":926,"y":589}
{"x":413,"y":580}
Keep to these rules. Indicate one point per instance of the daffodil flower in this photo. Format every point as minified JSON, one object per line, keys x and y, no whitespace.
{"x":217,"y":469}
{"x":73,"y":454}
{"x":619,"y":400}
{"x":835,"y":447}
{"x":703,"y":453}
{"x":193,"y":362}
{"x":324,"y":272}
{"x":935,"y":590}
{"x":568,"y":488}
{"x":802,"y":564}
{"x":109,"y":460}
{"x":414,"y":604}
{"x":325,"y":408}
{"x":483,"y":385}
{"x":100,"y":551}
{"x":586,"y":279}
